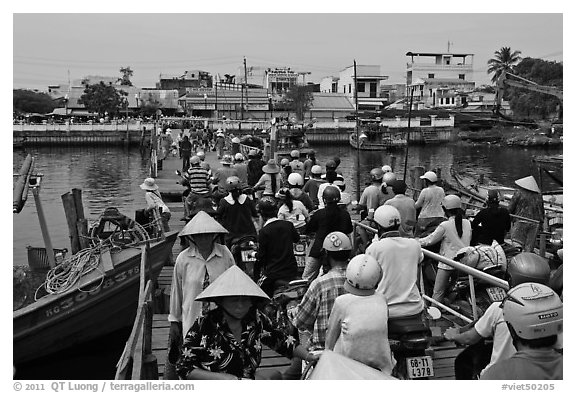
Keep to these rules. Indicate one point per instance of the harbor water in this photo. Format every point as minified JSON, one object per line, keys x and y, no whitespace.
{"x":110,"y":176}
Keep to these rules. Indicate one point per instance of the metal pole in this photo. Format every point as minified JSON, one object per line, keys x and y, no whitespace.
{"x":357,"y":135}
{"x":408,"y":136}
{"x":43,"y":225}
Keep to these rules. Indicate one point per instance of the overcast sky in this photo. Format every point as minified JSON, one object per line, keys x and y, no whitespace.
{"x":50,"y":48}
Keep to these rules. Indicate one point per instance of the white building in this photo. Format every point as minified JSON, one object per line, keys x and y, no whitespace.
{"x":368,"y":81}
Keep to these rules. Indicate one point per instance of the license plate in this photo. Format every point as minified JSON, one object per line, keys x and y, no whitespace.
{"x":299,"y":249}
{"x":496,"y":294}
{"x":301,"y":261}
{"x":420,"y":367}
{"x":247,"y":256}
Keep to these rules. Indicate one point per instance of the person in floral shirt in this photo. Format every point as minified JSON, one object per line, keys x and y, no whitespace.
{"x":227,"y":342}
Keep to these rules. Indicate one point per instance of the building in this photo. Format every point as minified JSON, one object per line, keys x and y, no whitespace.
{"x":329,"y":84}
{"x":392,"y":92}
{"x":188,"y":80}
{"x":368,"y":78}
{"x":330,"y":106}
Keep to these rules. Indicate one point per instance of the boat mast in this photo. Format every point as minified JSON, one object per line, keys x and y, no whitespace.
{"x":408,"y":136}
{"x":357,"y":134}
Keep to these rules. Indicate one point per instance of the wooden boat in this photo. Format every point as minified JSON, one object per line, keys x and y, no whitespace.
{"x":553,"y":166}
{"x":100,"y":302}
{"x":374,"y":136}
{"x":476,"y":189}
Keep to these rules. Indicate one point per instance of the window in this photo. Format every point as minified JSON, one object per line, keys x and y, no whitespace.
{"x":462,"y":76}
{"x":431,"y":76}
{"x":361,"y":87}
{"x":350,"y":88}
{"x":430,"y":93}
{"x":452,"y":100}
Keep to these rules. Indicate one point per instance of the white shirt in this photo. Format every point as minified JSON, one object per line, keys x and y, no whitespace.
{"x":399,"y":259}
{"x":358,"y":329}
{"x":298,"y":215}
{"x":188,"y":278}
{"x":451,"y":242}
{"x":153,"y":200}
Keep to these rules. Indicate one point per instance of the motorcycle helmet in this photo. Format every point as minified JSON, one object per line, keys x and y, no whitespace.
{"x":533,"y":311}
{"x":336,"y":241}
{"x":389,"y":177}
{"x":316,"y":169}
{"x":527,"y":267}
{"x":239,"y":157}
{"x":284,"y":162}
{"x":387,"y":216}
{"x":376,"y":174}
{"x":493,"y":197}
{"x":295,"y":154}
{"x":387,"y":168}
{"x":331,"y":164}
{"x":233,"y":183}
{"x":362,"y":275}
{"x":452,"y":202}
{"x":267,"y":205}
{"x":295,"y":179}
{"x":331,"y":194}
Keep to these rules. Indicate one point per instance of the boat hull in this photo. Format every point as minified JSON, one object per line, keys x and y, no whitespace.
{"x":397,"y":141}
{"x":95,"y":307}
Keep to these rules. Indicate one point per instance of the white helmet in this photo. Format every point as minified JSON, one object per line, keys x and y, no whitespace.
{"x":533,"y":310}
{"x":238,"y":157}
{"x":362,"y":275}
{"x":452,"y":202}
{"x":387,"y":216}
{"x":387,"y":168}
{"x":295,"y":179}
{"x":389,"y":177}
{"x":336,"y":241}
{"x":431,"y":176}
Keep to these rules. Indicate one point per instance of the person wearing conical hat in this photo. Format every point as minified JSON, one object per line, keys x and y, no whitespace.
{"x":196,"y":267}
{"x":527,"y":202}
{"x":226,"y":343}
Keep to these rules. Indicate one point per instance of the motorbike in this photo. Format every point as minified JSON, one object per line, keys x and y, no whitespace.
{"x":410,"y":339}
{"x":244,"y":250}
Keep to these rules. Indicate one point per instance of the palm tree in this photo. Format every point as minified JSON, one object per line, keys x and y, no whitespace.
{"x":503,"y":60}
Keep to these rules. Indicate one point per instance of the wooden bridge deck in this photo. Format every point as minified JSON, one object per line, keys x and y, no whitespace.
{"x":443,"y":354}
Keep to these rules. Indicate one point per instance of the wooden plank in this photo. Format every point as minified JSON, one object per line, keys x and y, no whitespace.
{"x":71,"y":218}
{"x":106,"y":259}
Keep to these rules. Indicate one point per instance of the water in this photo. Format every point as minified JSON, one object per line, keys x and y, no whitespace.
{"x":110,"y":176}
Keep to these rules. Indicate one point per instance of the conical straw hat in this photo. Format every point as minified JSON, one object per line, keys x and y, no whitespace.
{"x":233,"y":282}
{"x":202,"y":223}
{"x":528,"y":183}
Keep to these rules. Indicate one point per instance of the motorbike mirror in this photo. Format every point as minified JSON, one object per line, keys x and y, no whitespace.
{"x":434,"y":312}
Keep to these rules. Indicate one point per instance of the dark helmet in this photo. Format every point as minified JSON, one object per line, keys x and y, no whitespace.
{"x":331,"y":164}
{"x":493,"y":197}
{"x":331,"y":194}
{"x":267,"y":204}
{"x":528,"y":267}
{"x":233,"y":183}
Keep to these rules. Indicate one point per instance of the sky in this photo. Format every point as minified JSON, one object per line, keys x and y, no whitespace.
{"x":57,"y":47}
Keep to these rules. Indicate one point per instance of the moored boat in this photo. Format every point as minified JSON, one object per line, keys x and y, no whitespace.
{"x":101,"y":301}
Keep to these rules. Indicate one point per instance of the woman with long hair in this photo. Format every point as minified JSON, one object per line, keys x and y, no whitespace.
{"x":270,"y":181}
{"x":455,"y":233}
{"x":291,"y":209}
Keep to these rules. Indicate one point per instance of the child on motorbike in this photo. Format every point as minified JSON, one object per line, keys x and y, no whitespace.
{"x":358,"y":323}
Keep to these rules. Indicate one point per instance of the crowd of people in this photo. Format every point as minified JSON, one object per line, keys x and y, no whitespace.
{"x":217,"y":320}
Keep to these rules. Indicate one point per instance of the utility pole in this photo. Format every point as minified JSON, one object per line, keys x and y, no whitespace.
{"x":408,"y":136}
{"x":357,"y":135}
{"x":245,"y":87}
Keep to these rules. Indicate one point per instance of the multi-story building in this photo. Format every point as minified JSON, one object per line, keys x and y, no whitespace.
{"x":440,"y":79}
{"x":368,"y":78}
{"x":329,"y":84}
{"x":190,"y":79}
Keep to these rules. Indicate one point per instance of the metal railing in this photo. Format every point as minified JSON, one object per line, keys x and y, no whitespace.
{"x":472,"y":273}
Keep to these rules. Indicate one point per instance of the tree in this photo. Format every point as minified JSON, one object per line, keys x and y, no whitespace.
{"x":102,"y":98}
{"x":150,"y":105}
{"x":298,"y":99}
{"x":126,"y":75}
{"x":29,"y":101}
{"x":503,"y":60}
{"x":534,"y":105}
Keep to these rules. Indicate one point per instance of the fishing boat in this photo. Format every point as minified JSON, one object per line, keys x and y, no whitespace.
{"x":375,"y":136}
{"x":476,"y":189}
{"x":553,"y":166}
{"x":103,"y":298}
